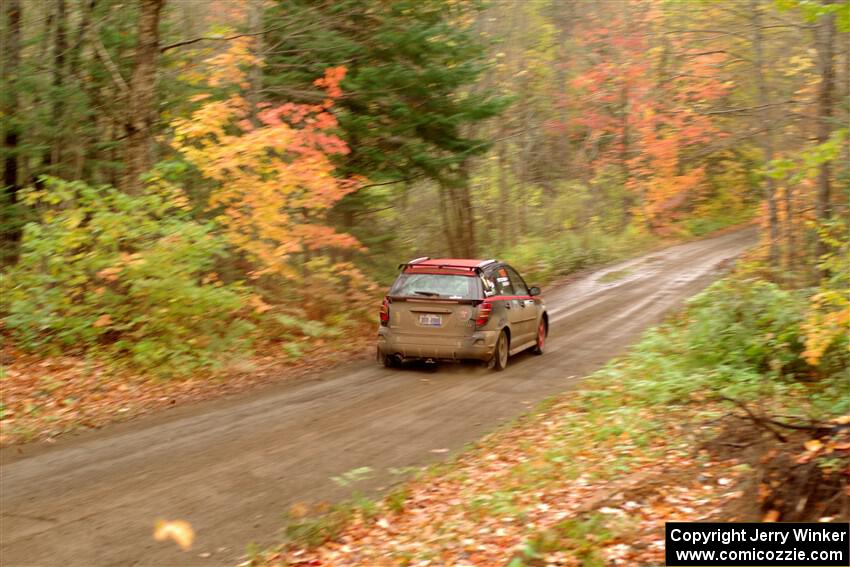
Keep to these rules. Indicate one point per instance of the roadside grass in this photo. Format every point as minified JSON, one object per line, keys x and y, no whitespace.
{"x":590,"y":477}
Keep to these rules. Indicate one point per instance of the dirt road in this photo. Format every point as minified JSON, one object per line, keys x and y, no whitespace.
{"x":232,"y":467}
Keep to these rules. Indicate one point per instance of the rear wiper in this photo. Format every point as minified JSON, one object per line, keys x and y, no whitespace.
{"x":427,"y":293}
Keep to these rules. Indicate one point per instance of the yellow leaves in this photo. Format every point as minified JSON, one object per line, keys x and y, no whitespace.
{"x":813,"y":445}
{"x":180,"y":531}
{"x":274,"y":176}
{"x":796,"y":64}
{"x":103,"y":321}
{"x":74,"y":219}
{"x":229,"y":67}
{"x":822,"y":329}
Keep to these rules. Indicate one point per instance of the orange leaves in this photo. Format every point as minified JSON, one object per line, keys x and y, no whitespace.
{"x":639,"y":102}
{"x":258,"y":304}
{"x":109,"y":274}
{"x":330,"y":82}
{"x":272,"y":166}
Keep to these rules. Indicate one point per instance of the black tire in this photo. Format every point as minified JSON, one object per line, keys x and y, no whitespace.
{"x":500,"y":356}
{"x":387,"y":361}
{"x":542,"y":332}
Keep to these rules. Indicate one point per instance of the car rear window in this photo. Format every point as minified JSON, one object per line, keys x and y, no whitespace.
{"x":446,"y":286}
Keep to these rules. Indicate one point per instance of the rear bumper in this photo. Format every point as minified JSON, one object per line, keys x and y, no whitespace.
{"x":479,"y":346}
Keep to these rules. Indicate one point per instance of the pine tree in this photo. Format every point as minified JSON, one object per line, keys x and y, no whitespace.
{"x":408,"y":103}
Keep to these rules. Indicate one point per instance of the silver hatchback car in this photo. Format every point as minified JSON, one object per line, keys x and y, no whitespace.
{"x":459,"y":309}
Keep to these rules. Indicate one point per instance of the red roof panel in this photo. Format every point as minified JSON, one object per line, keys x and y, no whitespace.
{"x":459,"y":262}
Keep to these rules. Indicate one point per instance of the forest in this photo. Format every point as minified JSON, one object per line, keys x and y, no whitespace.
{"x":202,"y":196}
{"x":183,"y":181}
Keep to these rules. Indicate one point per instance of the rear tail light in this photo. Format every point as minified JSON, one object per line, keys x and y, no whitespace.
{"x":385,"y":313}
{"x":484,"y":311}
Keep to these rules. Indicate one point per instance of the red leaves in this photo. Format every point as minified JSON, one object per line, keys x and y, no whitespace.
{"x":637,"y":99}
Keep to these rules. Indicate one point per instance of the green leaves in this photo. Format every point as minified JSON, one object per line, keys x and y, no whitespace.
{"x":813,"y":10}
{"x":112,"y":275}
{"x":747,"y":324}
{"x":805,"y":164}
{"x":409,"y":62}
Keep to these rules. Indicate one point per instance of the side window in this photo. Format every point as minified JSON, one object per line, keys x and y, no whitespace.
{"x":501,"y":281}
{"x":519,"y":285}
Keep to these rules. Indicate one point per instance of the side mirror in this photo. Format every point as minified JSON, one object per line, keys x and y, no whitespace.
{"x":534,"y":291}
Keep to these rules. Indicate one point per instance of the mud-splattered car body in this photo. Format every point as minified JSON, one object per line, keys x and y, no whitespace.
{"x":460,"y":309}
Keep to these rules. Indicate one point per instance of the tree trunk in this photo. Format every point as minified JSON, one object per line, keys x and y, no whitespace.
{"x":503,"y":232}
{"x":767,"y":137}
{"x":458,"y":217}
{"x":790,"y":241}
{"x":846,"y":96}
{"x":82,"y":147}
{"x":141,"y":110}
{"x":255,"y":73}
{"x":57,"y":107}
{"x":826,"y":54}
{"x":564,"y":21}
{"x":467,"y":215}
{"x":10,"y":228}
{"x":87,"y":11}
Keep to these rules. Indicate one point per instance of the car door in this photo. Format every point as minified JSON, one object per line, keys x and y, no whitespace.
{"x":506,"y":296}
{"x":526,"y":309}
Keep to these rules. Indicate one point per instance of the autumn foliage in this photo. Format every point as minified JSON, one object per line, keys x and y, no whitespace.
{"x":149,"y":281}
{"x":639,"y":100}
{"x":271,"y":169}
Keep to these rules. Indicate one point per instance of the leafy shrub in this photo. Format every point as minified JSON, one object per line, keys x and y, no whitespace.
{"x":129,"y":277}
{"x":828,"y":316}
{"x":740,"y":337}
{"x":747,"y":324}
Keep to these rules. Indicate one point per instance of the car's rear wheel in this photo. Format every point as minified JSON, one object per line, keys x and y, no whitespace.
{"x":540,"y":345}
{"x":500,"y":356}
{"x":387,"y":361}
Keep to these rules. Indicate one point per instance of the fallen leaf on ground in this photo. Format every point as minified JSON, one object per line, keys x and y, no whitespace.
{"x":178,"y":530}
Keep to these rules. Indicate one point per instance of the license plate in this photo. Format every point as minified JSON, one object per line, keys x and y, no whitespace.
{"x":429,"y":320}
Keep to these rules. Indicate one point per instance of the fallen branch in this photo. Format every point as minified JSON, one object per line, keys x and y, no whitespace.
{"x":185,"y":42}
{"x":820,"y":427}
{"x":758,"y":420}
